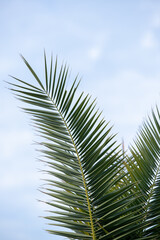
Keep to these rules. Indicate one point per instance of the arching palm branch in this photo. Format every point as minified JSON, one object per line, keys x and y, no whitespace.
{"x":144,"y":167}
{"x":99,"y":192}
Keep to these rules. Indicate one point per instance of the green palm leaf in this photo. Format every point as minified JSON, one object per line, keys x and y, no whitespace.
{"x":89,"y":183}
{"x":144,"y":167}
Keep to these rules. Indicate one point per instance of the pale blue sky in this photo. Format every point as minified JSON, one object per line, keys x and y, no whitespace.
{"x":113,"y":45}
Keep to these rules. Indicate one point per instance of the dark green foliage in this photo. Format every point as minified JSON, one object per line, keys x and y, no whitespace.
{"x":99,"y":192}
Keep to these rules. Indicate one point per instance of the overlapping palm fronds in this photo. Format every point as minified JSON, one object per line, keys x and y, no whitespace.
{"x":144,"y":167}
{"x":99,"y":193}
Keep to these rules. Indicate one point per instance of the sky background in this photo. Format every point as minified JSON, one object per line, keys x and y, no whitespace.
{"x":113,"y":45}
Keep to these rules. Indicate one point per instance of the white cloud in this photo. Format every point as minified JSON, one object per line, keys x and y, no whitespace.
{"x":16,"y":179}
{"x":148,"y":40}
{"x":97,"y":45}
{"x":94,"y":53}
{"x":11,"y":142}
{"x":156,"y":21}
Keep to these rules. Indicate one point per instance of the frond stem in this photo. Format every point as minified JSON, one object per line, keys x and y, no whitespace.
{"x":80,"y":165}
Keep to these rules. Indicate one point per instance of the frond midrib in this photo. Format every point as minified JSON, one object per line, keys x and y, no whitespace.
{"x":80,"y":165}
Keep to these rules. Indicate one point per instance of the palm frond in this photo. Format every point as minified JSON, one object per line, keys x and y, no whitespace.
{"x":144,"y":167}
{"x":89,"y":182}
